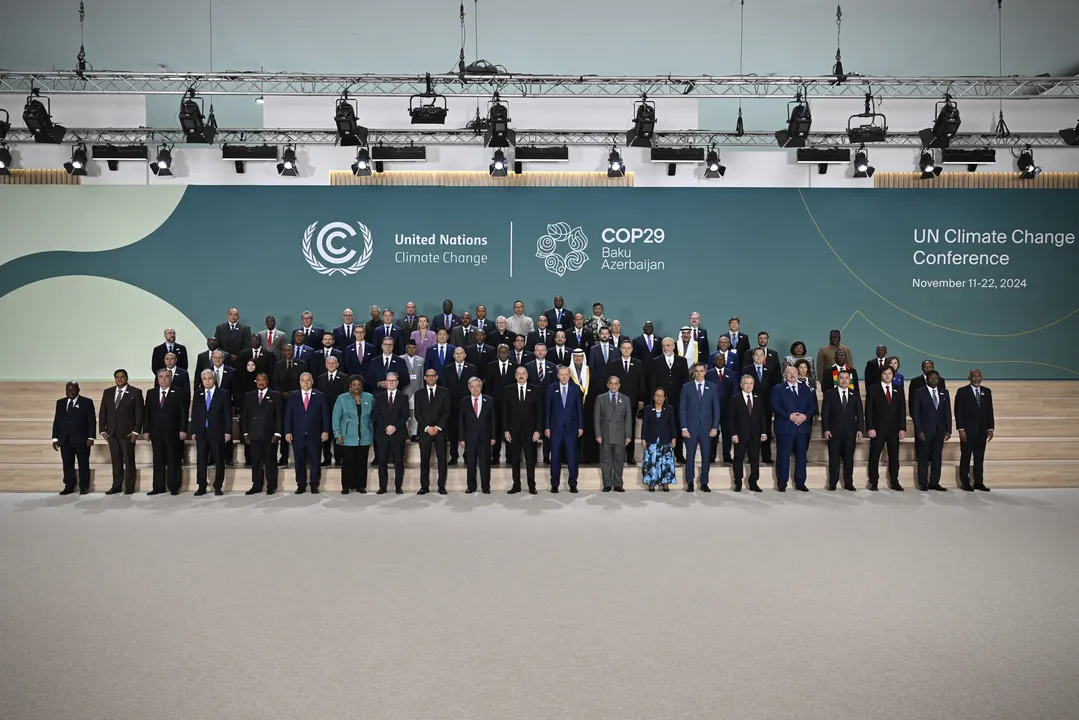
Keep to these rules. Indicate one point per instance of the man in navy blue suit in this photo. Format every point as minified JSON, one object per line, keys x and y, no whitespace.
{"x":389,"y":329}
{"x":73,"y":435}
{"x":307,"y":426}
{"x":932,"y":415}
{"x":565,"y":424}
{"x":301,"y":351}
{"x":441,"y":354}
{"x":211,"y":429}
{"x":794,"y":406}
{"x":726,"y":383}
{"x":312,"y":333}
{"x":359,"y":352}
{"x":698,"y":414}
{"x":730,"y":357}
{"x":447,"y":319}
{"x":343,"y":333}
{"x":382,"y":365}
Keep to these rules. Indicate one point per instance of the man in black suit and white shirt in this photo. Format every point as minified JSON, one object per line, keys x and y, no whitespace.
{"x":410,"y":321}
{"x":165,"y":426}
{"x":120,"y":423}
{"x":311,"y":333}
{"x":359,"y":353}
{"x":739,"y":342}
{"x":233,"y":337}
{"x":390,"y":417}
{"x":179,"y":380}
{"x":599,"y":355}
{"x":558,"y":317}
{"x":286,"y":380}
{"x":542,"y":373}
{"x":886,"y":425}
{"x":455,"y":378}
{"x":647,"y":345}
{"x":932,"y":417}
{"x":542,"y":334}
{"x":463,"y":335}
{"x":263,"y":423}
{"x":73,"y":436}
{"x":578,"y":337}
{"x":771,"y":356}
{"x":157,"y":358}
{"x":211,"y":429}
{"x":561,"y":354}
{"x":669,"y":372}
{"x":480,"y":354}
{"x":342,"y":334}
{"x":332,"y":384}
{"x":319,"y":361}
{"x":874,"y":366}
{"x":388,"y":329}
{"x":699,"y":335}
{"x":519,"y":355}
{"x":974,"y":420}
{"x":499,"y":376}
{"x":842,"y":419}
{"x":476,"y":421}
{"x":522,"y":426}
{"x":763,"y":382}
{"x":432,"y":406}
{"x":204,"y":359}
{"x":746,"y":418}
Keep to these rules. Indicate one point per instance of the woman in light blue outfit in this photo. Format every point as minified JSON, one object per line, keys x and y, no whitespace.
{"x":353,"y":431}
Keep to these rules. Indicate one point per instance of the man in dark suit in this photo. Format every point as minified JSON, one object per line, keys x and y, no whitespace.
{"x":120,"y":423}
{"x":73,"y":436}
{"x":332,"y":384}
{"x":699,"y":335}
{"x":932,"y":416}
{"x":542,"y":373}
{"x":699,"y":418}
{"x":740,"y":343}
{"x":564,"y":425}
{"x":165,"y":426}
{"x":225,"y":379}
{"x":432,"y":409}
{"x":480,"y":354}
{"x":233,"y":337}
{"x":484,"y":323}
{"x":499,"y":375}
{"x":463,"y":335}
{"x":446,"y":319}
{"x":180,"y":381}
{"x":359,"y":353}
{"x":632,"y":382}
{"x":669,"y":372}
{"x":974,"y":420}
{"x":203,"y":360}
{"x":647,"y":346}
{"x":374,"y":322}
{"x":440,"y":355}
{"x":476,"y":420}
{"x":518,"y":354}
{"x":286,"y":380}
{"x":263,"y":421}
{"x":771,"y":359}
{"x":726,"y":383}
{"x":577,"y":337}
{"x":455,"y":379}
{"x":729,"y":357}
{"x":379,"y":369}
{"x":764,"y":381}
{"x":561,"y":355}
{"x":794,"y":406}
{"x":542,"y":334}
{"x":871,"y":376}
{"x":264,"y":362}
{"x":301,"y":351}
{"x":746,"y":417}
{"x":390,"y":418}
{"x":829,"y":376}
{"x":885,"y":424}
{"x":390,"y":330}
{"x":310,"y":332}
{"x":842,"y":419}
{"x":157,"y":358}
{"x":913,"y":386}
{"x":319,"y":360}
{"x":522,"y":426}
{"x":599,"y":355}
{"x":307,"y":426}
{"x":410,"y":321}
{"x":502,"y":335}
{"x":211,"y":429}
{"x":558,"y":317}
{"x":343,"y":334}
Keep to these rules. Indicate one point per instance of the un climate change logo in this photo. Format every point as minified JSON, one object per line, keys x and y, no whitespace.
{"x":326,"y":251}
{"x":568,"y":257}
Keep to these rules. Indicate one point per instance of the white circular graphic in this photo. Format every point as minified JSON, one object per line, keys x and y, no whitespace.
{"x":558,"y":258}
{"x":326,"y":249}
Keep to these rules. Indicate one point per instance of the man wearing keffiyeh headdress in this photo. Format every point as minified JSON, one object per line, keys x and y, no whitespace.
{"x":582,"y":377}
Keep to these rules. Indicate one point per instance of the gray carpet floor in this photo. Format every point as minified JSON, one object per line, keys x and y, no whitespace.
{"x":826,"y":605}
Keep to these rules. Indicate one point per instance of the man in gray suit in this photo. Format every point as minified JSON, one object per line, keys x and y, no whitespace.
{"x":273,"y":340}
{"x":411,"y":384}
{"x":614,"y":430}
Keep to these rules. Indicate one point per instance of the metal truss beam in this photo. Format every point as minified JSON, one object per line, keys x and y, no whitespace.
{"x":614,"y":138}
{"x":516,"y":85}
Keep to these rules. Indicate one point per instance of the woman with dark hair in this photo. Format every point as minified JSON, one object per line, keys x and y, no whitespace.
{"x":897,"y":381}
{"x":798,"y":352}
{"x":354,"y":432}
{"x":658,"y":433}
{"x":802,"y":364}
{"x":424,"y":337}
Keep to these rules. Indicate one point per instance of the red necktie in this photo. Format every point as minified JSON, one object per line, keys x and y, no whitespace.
{"x":162,"y":400}
{"x":476,"y":406}
{"x":306,"y":399}
{"x":888,"y":394}
{"x":749,"y":404}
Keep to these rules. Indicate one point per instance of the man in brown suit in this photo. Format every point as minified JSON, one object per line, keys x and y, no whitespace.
{"x":120,"y":423}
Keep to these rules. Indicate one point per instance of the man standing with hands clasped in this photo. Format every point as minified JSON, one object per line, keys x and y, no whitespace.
{"x":932,"y":415}
{"x":794,"y":407}
{"x":975,"y":422}
{"x":698,"y":412}
{"x":842,"y":420}
{"x":614,"y":430}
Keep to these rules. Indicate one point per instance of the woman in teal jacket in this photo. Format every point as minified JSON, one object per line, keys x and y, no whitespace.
{"x":353,"y":431}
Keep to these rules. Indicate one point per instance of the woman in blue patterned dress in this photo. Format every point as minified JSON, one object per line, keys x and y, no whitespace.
{"x":658,"y":432}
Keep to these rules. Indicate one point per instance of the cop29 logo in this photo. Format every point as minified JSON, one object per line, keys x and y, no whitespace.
{"x":327,"y":258}
{"x":562,"y":249}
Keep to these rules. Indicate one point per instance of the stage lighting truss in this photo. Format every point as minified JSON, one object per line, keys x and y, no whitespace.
{"x":5,"y":124}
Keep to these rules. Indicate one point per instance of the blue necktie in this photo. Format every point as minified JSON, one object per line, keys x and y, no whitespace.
{"x":441,"y":355}
{"x":209,"y":396}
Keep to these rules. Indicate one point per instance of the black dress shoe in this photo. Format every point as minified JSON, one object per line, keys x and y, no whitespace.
{"x":155,"y":492}
{"x":514,"y":490}
{"x":345,"y":491}
{"x":84,"y":492}
{"x":923,"y":488}
{"x":486,"y":492}
{"x":252,"y":491}
{"x":631,"y":461}
{"x":554,"y":490}
{"x":705,"y":488}
{"x":230,"y":463}
{"x":451,"y":463}
{"x":301,"y":490}
{"x":689,"y":488}
{"x":768,"y":462}
{"x":218,"y":491}
{"x":781,"y":488}
{"x":967,"y":488}
{"x":651,"y":488}
{"x":728,"y":461}
{"x":129,"y":492}
{"x":665,"y":488}
{"x":831,"y":487}
{"x":380,"y":491}
{"x":442,"y":491}
{"x":415,"y":438}
{"x":200,"y":492}
{"x":801,"y":488}
{"x":872,"y":487}
{"x":532,"y":491}
{"x":983,"y":488}
{"x":469,"y":491}
{"x":67,"y":491}
{"x":573,"y":489}
{"x":314,"y":490}
{"x":175,"y":492}
{"x":755,"y":487}
{"x":362,"y":491}
{"x":423,"y":491}
{"x":247,"y":463}
{"x":897,"y":487}
{"x":325,"y":463}
{"x":938,"y":487}
{"x":850,"y":487}
{"x":112,"y":491}
{"x":399,"y":491}
{"x":619,"y":489}
{"x":606,"y":489}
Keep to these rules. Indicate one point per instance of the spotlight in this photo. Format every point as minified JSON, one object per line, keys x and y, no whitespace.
{"x":928,"y":166}
{"x":5,"y":160}
{"x":362,"y":166}
{"x":77,"y":166}
{"x":499,"y":167}
{"x":712,"y":168}
{"x":38,"y":119}
{"x":261,"y":100}
{"x":615,"y":167}
{"x":349,"y":131}
{"x":799,"y":121}
{"x":871,"y":131}
{"x":644,"y":124}
{"x":1027,"y":169}
{"x":862,"y":168}
{"x":944,"y":127}
{"x":498,"y":133}
{"x":427,"y":111}
{"x":162,"y":167}
{"x":287,"y":166}
{"x":1070,"y":136}
{"x":196,"y":127}
{"x":5,"y":124}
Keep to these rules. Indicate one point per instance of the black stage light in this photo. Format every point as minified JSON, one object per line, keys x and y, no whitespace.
{"x":162,"y":167}
{"x":971,"y":158}
{"x":397,"y":153}
{"x":425,"y":109}
{"x":5,"y":124}
{"x":362,"y":166}
{"x":38,"y":120}
{"x":77,"y":165}
{"x":712,"y":168}
{"x":874,"y":129}
{"x":349,"y":130}
{"x":499,"y":167}
{"x":5,"y":160}
{"x":928,"y":166}
{"x":498,"y":132}
{"x":862,"y":168}
{"x":197,"y":127}
{"x":944,"y":127}
{"x":531,"y":153}
{"x":644,"y":124}
{"x":288,"y":166}
{"x":615,"y":167}
{"x":1027,"y":169}
{"x":799,"y":121}
{"x":1070,"y":136}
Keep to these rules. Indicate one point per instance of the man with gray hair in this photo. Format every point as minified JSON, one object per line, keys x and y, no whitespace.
{"x":224,"y":379}
{"x":211,"y":429}
{"x":502,"y":335}
{"x":476,"y":423}
{"x":307,"y":426}
{"x":390,"y":418}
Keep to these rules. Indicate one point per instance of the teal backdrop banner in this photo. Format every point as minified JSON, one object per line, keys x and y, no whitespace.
{"x":968,"y":278}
